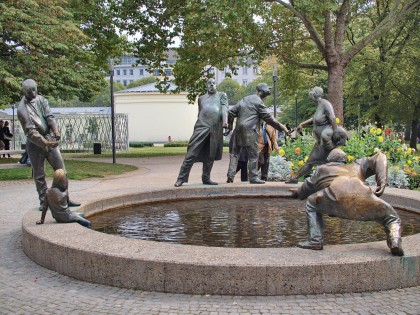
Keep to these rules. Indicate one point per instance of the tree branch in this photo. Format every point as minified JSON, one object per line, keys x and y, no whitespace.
{"x":384,"y":26}
{"x":343,"y":16}
{"x":306,"y":65}
{"x":309,"y":26}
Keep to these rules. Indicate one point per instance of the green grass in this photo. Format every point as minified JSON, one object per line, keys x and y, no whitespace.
{"x":75,"y":169}
{"x":78,"y":169}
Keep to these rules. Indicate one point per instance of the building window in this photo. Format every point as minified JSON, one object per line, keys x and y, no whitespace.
{"x":125,"y":72}
{"x":131,"y":81}
{"x":255,"y":70}
{"x":118,"y":81}
{"x":211,"y":70}
{"x":245,"y":70}
{"x":244,"y":82}
{"x":141,"y":72}
{"x":168,"y":72}
{"x":118,"y":72}
{"x":131,"y":71}
{"x":125,"y":82}
{"x":156,"y":72}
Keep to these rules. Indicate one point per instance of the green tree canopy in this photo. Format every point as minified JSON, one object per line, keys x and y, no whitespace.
{"x":309,"y":34}
{"x":62,"y":45}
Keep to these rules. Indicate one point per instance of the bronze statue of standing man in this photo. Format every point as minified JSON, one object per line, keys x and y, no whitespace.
{"x":43,"y":136}
{"x":206,"y":143}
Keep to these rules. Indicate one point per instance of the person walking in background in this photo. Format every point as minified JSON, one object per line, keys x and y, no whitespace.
{"x":268,"y":142}
{"x":7,"y":136}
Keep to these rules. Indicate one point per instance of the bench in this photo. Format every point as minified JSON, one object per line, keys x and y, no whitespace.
{"x":12,"y":165}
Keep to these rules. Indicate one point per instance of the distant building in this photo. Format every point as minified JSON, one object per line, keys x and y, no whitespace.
{"x":125,"y":72}
{"x":155,"y":116}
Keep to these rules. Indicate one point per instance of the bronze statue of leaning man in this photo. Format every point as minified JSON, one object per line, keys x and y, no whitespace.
{"x":339,"y":189}
{"x":43,"y":136}
{"x":206,"y":143}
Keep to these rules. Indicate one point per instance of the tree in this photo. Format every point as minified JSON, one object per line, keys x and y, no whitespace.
{"x":59,"y":44}
{"x":233,"y":90}
{"x":310,"y":34}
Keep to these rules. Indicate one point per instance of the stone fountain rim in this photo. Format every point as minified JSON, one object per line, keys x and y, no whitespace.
{"x":87,"y":247}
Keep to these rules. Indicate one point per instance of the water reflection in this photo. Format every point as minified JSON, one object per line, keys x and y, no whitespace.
{"x":236,"y":222}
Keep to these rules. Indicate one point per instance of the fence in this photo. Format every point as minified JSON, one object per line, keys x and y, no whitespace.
{"x":80,"y":132}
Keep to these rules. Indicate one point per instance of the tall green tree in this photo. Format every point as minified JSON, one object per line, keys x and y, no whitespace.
{"x":310,"y":34}
{"x":60,"y":44}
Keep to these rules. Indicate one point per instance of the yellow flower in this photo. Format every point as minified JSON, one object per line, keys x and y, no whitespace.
{"x":373,"y":130}
{"x":350,"y":158}
{"x":292,"y":164}
{"x":306,"y":158}
{"x":396,"y":168}
{"x":281,"y":152}
{"x":409,"y":151}
{"x":300,"y":163}
{"x":378,"y":131}
{"x":381,"y":139}
{"x":399,"y":150}
{"x":409,"y":162}
{"x":337,"y":120}
{"x":376,"y":150}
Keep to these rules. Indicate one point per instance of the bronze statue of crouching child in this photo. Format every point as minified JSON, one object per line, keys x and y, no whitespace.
{"x":57,"y":199}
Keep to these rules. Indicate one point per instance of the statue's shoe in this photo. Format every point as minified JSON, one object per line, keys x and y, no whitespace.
{"x":257,"y":181}
{"x":209,"y":182}
{"x":309,"y":245}
{"x":229,"y":180}
{"x":179,"y":183}
{"x":394,"y":244}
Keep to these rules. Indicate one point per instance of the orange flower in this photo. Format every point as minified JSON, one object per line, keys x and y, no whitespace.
{"x":298,"y":150}
{"x":414,"y":174}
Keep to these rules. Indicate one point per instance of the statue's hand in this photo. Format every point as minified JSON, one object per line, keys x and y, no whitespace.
{"x":225,"y":126}
{"x":227,"y":132}
{"x":52,"y":144}
{"x":299,"y":128}
{"x":379,"y":190}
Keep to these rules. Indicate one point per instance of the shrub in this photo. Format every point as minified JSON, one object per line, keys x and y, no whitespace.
{"x":176,"y":144}
{"x":279,"y":169}
{"x":141,"y":144}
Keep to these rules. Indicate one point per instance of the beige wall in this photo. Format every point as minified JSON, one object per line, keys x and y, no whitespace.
{"x":154,"y":116}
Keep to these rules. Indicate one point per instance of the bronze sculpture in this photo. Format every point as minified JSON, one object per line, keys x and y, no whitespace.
{"x":43,"y":136}
{"x":248,"y":113}
{"x":57,"y":199}
{"x":206,"y":143}
{"x":339,"y":189}
{"x":326,"y":132}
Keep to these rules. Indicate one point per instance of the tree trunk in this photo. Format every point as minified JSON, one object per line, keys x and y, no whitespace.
{"x":336,"y":90}
{"x":415,"y":126}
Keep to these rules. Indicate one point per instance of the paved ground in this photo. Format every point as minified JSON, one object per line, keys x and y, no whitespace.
{"x":26,"y":288}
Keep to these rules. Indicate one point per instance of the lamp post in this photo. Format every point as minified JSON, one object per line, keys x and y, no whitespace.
{"x":296,"y":110}
{"x":13,"y":126}
{"x":111,"y":81}
{"x":275,"y":90}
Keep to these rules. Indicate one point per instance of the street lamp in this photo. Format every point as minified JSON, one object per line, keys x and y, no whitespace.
{"x":111,"y":81}
{"x":296,"y":110}
{"x":275,"y":90}
{"x":13,"y":126}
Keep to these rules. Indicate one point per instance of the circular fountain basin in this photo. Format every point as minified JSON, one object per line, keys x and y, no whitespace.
{"x":96,"y":257}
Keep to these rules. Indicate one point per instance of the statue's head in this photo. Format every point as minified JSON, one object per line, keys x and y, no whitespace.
{"x":337,"y":155}
{"x":29,"y":88}
{"x":316,"y":93}
{"x":263,"y":89}
{"x":211,"y":86}
{"x":60,"y":180}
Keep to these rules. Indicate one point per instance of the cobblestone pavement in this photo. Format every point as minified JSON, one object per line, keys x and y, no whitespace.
{"x":26,"y":288}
